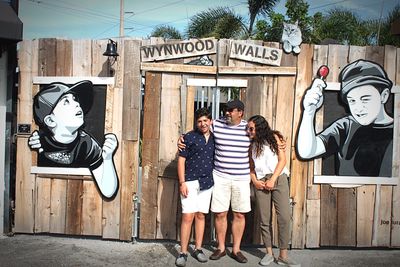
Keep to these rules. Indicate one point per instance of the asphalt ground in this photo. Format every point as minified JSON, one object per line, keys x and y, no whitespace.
{"x":45,"y":250}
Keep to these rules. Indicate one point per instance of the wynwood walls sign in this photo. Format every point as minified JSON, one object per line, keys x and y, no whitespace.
{"x":188,"y":48}
{"x":198,"y":47}
{"x":256,"y":53}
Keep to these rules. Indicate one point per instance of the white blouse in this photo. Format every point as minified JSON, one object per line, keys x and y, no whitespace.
{"x":266,"y":162}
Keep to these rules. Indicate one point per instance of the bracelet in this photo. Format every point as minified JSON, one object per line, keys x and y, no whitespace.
{"x":180,"y":183}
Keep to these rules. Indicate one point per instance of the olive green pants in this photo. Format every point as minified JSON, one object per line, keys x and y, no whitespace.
{"x":280,"y":197}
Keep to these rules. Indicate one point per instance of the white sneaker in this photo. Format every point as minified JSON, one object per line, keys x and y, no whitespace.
{"x":287,"y":262}
{"x":266,"y":260}
{"x":181,"y":260}
{"x":198,"y":254}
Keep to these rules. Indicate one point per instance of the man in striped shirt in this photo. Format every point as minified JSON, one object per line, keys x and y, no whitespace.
{"x":231,"y":177}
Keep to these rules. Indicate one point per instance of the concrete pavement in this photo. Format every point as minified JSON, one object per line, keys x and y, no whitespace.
{"x":44,"y":250}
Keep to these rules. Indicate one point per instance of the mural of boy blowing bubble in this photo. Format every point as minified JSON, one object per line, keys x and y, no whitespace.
{"x":59,"y":112}
{"x":362,"y":140}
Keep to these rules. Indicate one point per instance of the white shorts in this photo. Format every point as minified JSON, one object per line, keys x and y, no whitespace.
{"x":229,"y":192}
{"x":196,"y":201}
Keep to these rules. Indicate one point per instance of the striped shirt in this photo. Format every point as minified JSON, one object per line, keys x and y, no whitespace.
{"x":232,"y":144}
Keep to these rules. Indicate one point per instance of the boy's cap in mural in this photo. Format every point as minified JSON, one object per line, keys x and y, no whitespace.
{"x":45,"y":101}
{"x":236,"y":103}
{"x":362,"y":72}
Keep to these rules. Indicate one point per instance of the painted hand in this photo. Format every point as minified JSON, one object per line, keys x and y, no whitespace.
{"x":314,"y":97}
{"x":109,"y":146}
{"x":34,"y":142}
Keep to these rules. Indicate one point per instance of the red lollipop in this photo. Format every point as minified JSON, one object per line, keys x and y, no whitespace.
{"x":323,"y":71}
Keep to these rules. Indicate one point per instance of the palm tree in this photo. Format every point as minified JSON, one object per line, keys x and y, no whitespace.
{"x":167,"y":32}
{"x":259,"y":7}
{"x":220,"y":22}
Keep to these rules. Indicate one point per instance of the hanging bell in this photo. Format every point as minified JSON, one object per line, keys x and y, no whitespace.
{"x":111,"y":50}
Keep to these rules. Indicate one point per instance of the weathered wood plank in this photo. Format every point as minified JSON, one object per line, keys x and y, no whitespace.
{"x":42,"y":205}
{"x":74,"y":207}
{"x":91,"y":209}
{"x":313,"y":223}
{"x":24,"y":181}
{"x":151,"y":135}
{"x":132,"y":82}
{"x":167,"y":201}
{"x":383,"y":211}
{"x":266,"y":70}
{"x":365,"y":215}
{"x":299,"y":169}
{"x":395,"y":220}
{"x":169,"y":125}
{"x":181,"y":68}
{"x":58,"y":205}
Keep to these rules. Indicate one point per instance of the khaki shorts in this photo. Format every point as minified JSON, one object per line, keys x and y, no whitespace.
{"x":229,"y":192}
{"x":196,"y":201}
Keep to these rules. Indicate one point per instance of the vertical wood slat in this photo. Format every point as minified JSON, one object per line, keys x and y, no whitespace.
{"x":91,"y":199}
{"x":74,"y":207}
{"x":47,"y":67}
{"x":169,"y":130}
{"x":313,"y":204}
{"x":299,"y":169}
{"x":151,"y":136}
{"x":383,"y":206}
{"x":395,"y":219}
{"x":114,"y":101}
{"x":167,"y":202}
{"x":25,"y":182}
{"x":130,"y":138}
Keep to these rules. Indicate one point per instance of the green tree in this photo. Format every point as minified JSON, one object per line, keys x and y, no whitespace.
{"x":167,"y":32}
{"x":344,"y":26}
{"x":220,"y":22}
{"x":383,"y":28}
{"x":259,"y":7}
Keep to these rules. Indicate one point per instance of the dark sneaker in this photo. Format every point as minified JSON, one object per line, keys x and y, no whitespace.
{"x":199,"y":255}
{"x":181,"y":260}
{"x":239,"y":257}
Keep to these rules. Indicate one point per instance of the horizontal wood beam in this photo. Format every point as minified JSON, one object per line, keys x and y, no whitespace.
{"x":163,"y":67}
{"x":60,"y":170}
{"x":72,"y":80}
{"x":355,"y":180}
{"x":267,"y":70}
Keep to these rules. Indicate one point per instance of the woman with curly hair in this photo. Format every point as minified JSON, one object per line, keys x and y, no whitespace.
{"x":270,"y":179}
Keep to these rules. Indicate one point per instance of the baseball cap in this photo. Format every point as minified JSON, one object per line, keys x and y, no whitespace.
{"x":362,"y":72}
{"x":47,"y":98}
{"x":236,"y":103}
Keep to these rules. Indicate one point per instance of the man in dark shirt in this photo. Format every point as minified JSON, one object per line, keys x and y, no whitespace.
{"x":195,"y":166}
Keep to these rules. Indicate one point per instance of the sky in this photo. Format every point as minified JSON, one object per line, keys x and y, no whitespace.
{"x":100,"y":19}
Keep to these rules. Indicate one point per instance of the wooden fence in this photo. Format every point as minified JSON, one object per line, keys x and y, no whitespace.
{"x":321,"y":215}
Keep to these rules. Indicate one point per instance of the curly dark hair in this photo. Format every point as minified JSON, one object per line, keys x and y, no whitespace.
{"x":264,"y":135}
